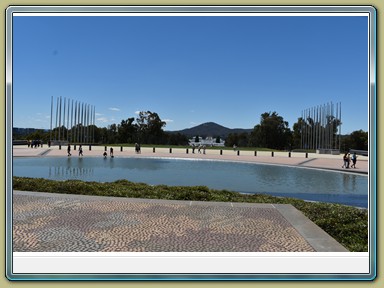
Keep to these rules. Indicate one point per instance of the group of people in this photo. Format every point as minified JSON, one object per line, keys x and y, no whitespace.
{"x":69,"y":150}
{"x":35,"y":143}
{"x":137,"y":149}
{"x":347,"y":160}
{"x":199,"y":148}
{"x":110,"y":153}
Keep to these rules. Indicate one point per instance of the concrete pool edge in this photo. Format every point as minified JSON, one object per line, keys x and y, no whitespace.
{"x":314,"y":161}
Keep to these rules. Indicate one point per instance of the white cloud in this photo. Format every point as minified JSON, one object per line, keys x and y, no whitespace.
{"x":137,"y":112}
{"x":114,"y":109}
{"x":103,"y":119}
{"x":98,"y":114}
{"x":168,"y":120}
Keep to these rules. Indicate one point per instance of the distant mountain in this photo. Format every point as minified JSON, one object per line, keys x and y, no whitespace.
{"x":210,"y":129}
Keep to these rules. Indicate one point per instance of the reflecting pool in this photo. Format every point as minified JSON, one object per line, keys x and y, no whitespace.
{"x":307,"y":184}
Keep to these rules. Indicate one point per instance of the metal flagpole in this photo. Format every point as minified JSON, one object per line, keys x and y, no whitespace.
{"x":340,"y":129}
{"x":78,"y":122}
{"x":93,"y":123}
{"x":65,"y":102}
{"x":88,"y":138}
{"x":57,"y":113}
{"x":68,"y":119}
{"x":50,"y":132}
{"x":82,"y":123}
{"x":71,"y":138}
{"x":60,"y":119}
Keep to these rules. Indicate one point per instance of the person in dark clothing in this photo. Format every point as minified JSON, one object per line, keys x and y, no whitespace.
{"x":354,"y":159}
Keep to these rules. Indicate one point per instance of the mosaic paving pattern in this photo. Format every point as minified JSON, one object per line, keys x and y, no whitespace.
{"x":70,"y":224}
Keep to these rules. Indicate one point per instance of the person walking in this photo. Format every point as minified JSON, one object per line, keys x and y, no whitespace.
{"x":111,"y":152}
{"x":69,"y":150}
{"x":354,"y":159}
{"x":80,"y":150}
{"x":348,"y":160}
{"x":345,"y":160}
{"x":137,"y":148}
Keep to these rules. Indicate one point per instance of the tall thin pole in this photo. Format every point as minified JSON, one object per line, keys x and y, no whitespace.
{"x":88,"y":124}
{"x":50,"y":130}
{"x":68,"y":119}
{"x":82,"y":123}
{"x":71,"y":138}
{"x":340,"y":129}
{"x":57,"y":113}
{"x":60,"y":119}
{"x":76,"y":122}
{"x":65,"y":102}
{"x":93,"y":124}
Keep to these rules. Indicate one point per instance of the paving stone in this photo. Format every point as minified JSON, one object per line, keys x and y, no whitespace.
{"x":45,"y":223}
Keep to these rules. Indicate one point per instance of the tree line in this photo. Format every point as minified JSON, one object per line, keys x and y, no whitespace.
{"x":272,"y":132}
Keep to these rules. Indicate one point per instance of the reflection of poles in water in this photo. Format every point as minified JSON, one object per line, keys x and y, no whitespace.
{"x":71,"y":172}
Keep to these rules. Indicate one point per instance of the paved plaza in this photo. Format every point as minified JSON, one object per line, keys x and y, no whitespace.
{"x":47,"y":222}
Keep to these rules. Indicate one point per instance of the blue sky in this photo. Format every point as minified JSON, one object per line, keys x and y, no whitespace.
{"x":191,"y":70}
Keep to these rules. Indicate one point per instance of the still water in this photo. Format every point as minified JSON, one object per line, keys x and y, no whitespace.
{"x":307,"y":184}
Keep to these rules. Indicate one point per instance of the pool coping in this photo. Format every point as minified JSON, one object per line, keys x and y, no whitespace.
{"x":313,"y":161}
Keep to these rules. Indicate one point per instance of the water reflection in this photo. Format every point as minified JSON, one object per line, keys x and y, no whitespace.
{"x":307,"y":184}
{"x":349,"y":182}
{"x":69,"y":172}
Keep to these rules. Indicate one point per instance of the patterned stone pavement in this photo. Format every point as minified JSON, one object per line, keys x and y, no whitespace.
{"x":45,"y":222}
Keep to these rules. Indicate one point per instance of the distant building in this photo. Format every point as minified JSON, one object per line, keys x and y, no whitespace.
{"x":208,"y":141}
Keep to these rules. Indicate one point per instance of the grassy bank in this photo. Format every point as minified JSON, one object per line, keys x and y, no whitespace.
{"x":348,"y":225}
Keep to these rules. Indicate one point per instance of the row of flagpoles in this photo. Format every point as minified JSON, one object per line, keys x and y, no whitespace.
{"x":74,"y":121}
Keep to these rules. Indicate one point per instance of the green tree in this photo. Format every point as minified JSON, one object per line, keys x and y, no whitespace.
{"x":296,"y":133}
{"x":150,"y":128}
{"x":38,"y":135}
{"x":176,"y":139}
{"x":111,"y":136}
{"x":356,"y":140}
{"x":272,"y":132}
{"x":126,"y":131}
{"x":238,"y":139}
